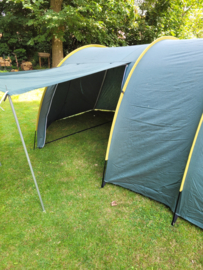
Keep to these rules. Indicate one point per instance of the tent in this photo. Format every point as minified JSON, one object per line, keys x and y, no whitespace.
{"x":156,"y":139}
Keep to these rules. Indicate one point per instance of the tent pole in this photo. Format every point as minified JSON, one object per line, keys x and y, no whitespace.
{"x":34,"y":141}
{"x":26,"y":153}
{"x":175,"y":216}
{"x":103,"y":182}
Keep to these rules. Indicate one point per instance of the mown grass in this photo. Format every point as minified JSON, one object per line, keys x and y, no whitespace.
{"x":80,"y":229}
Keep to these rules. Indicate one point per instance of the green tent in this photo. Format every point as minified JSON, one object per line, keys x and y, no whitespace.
{"x":156,"y":139}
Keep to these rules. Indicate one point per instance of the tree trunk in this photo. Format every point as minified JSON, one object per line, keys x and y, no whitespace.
{"x":57,"y":44}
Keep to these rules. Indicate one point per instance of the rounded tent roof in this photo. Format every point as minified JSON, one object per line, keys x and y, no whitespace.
{"x":89,"y":60}
{"x":101,"y":54}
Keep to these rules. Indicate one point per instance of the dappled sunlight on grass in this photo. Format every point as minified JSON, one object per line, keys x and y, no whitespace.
{"x":34,"y":95}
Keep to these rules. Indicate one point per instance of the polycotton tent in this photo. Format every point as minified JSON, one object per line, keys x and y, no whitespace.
{"x":155,"y":143}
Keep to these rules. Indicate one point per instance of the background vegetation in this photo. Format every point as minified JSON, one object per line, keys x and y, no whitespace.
{"x":60,"y":26}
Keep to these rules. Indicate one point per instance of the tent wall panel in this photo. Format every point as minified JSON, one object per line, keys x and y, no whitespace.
{"x":111,"y":90}
{"x":157,"y":121}
{"x":190,"y":205}
{"x":44,"y":109}
{"x":131,"y":71}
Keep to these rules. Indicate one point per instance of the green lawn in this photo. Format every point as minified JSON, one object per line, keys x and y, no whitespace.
{"x":80,"y":229}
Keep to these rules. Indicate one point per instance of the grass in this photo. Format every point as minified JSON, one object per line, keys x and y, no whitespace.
{"x":80,"y":229}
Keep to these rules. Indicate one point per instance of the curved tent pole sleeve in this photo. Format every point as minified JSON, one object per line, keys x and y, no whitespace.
{"x":125,"y":87}
{"x":64,"y":59}
{"x":190,"y":154}
{"x":175,"y":216}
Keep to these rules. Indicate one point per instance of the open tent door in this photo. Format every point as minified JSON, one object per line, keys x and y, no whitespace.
{"x":97,"y":91}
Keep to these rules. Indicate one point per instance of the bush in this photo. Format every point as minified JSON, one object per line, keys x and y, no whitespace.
{"x":21,"y":55}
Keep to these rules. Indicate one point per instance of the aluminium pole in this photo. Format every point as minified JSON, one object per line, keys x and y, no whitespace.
{"x":26,"y":153}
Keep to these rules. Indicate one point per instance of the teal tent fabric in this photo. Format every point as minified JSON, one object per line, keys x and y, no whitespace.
{"x":190,"y":205}
{"x":66,"y":99}
{"x":157,"y":121}
{"x":84,"y":62}
{"x":19,"y":83}
{"x":111,"y":90}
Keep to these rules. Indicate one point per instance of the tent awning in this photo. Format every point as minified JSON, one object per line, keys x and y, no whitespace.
{"x":21,"y":82}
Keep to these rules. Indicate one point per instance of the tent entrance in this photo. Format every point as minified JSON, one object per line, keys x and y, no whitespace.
{"x":98,"y":91}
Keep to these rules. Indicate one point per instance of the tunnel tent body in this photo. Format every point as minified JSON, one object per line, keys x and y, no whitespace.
{"x":156,"y":139}
{"x":96,"y":91}
{"x":156,"y":118}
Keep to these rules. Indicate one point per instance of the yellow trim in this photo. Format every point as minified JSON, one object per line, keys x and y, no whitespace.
{"x":125,"y":86}
{"x":100,"y":110}
{"x":190,"y":154}
{"x":64,"y":59}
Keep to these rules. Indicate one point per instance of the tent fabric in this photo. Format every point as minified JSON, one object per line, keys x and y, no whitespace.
{"x":190,"y":205}
{"x":84,"y":62}
{"x":157,"y":121}
{"x":111,"y":89}
{"x":79,"y":95}
{"x":23,"y":82}
{"x":66,"y":99}
{"x":89,"y":90}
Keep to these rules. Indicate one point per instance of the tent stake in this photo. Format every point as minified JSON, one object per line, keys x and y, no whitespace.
{"x":26,"y":153}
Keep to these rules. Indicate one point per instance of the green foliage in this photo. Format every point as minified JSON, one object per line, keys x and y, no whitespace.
{"x":30,"y":25}
{"x":16,"y":32}
{"x":21,"y":54}
{"x":82,"y":21}
{"x":179,"y":18}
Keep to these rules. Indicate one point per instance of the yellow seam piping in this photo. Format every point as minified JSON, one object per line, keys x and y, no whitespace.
{"x":125,"y":86}
{"x":190,"y":154}
{"x":64,"y":59}
{"x":101,"y":110}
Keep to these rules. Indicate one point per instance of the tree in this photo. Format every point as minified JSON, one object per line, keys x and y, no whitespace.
{"x":81,"y":21}
{"x":16,"y":33}
{"x":156,"y":18}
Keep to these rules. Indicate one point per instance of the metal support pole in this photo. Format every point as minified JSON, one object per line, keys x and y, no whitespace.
{"x":103,"y":182}
{"x":34,"y":140}
{"x":26,"y":153}
{"x":175,"y":216}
